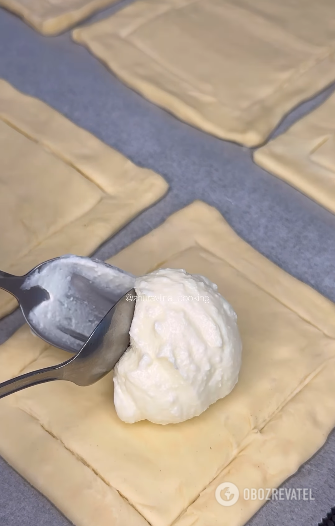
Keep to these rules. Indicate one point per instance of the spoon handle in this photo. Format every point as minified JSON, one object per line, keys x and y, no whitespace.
{"x":30,"y":379}
{"x":11,"y":283}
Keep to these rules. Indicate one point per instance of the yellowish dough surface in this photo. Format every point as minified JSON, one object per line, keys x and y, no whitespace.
{"x":70,"y":444}
{"x":304,"y":156}
{"x":232,"y":68}
{"x":54,"y":16}
{"x":61,"y":189}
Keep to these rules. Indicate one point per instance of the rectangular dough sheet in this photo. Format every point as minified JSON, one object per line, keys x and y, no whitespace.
{"x":304,"y":156}
{"x":51,"y":17}
{"x":232,"y":68}
{"x":61,"y":189}
{"x":69,"y":443}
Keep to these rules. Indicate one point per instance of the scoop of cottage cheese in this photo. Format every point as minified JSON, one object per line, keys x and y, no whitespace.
{"x":185,"y":349}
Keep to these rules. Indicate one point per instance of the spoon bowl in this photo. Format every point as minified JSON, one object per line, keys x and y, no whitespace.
{"x":64,"y":299}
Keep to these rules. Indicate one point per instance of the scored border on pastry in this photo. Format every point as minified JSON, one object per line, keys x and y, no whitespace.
{"x":304,"y":156}
{"x":62,"y":190}
{"x":232,"y":69}
{"x":277,"y":416}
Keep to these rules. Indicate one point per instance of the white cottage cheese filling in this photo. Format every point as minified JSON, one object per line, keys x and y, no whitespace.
{"x":185,"y":350}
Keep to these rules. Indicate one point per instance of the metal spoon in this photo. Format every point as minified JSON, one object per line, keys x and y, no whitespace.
{"x":97,"y":357}
{"x":74,"y":315}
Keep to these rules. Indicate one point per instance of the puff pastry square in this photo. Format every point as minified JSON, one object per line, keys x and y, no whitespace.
{"x":232,"y":68}
{"x":304,"y":156}
{"x":69,"y":443}
{"x":54,"y":16}
{"x":61,"y":189}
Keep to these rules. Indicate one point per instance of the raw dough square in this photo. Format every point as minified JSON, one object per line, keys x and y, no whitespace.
{"x":232,"y":68}
{"x":53,"y":16}
{"x":69,"y":443}
{"x":61,"y":189}
{"x":304,"y":156}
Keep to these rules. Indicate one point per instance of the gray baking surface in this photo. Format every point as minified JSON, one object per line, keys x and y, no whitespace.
{"x":278,"y":221}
